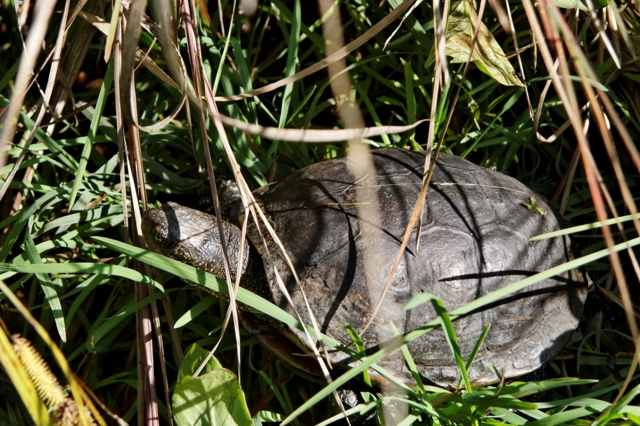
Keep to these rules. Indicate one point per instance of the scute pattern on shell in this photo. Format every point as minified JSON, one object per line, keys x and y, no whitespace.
{"x":474,"y":240}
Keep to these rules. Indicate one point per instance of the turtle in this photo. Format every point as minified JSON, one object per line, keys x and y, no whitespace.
{"x":474,"y":239}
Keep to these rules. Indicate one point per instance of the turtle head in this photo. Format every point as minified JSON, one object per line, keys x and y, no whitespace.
{"x":157,"y":231}
{"x":191,"y":237}
{"x":166,"y":228}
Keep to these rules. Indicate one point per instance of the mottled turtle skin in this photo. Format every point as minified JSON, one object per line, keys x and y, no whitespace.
{"x":474,"y":240}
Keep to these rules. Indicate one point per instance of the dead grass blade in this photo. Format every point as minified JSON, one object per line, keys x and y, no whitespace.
{"x":429,"y":167}
{"x":111,"y":33}
{"x":440,"y":18}
{"x":514,"y":37}
{"x":165,"y":31}
{"x":53,"y":75}
{"x":259,"y":217}
{"x":200,"y":83}
{"x":103,"y":26}
{"x":359,"y":162}
{"x":503,"y":17}
{"x":38,"y":29}
{"x":147,"y":318}
{"x":330,"y":59}
{"x":409,"y":12}
{"x":586,"y":72}
{"x":615,"y":298}
{"x":435,"y":96}
{"x":316,"y":135}
{"x":557,"y":30}
{"x":603,"y":34}
{"x":129,"y":48}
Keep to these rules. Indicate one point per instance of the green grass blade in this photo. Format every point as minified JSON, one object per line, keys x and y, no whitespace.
{"x":96,"y":215}
{"x":81,"y":268}
{"x":292,"y":58}
{"x":70,"y":164}
{"x":48,"y":287}
{"x":452,"y":340}
{"x":8,"y":75}
{"x":587,"y":227}
{"x":360,"y":348}
{"x":565,"y":417}
{"x":22,"y":217}
{"x":410,"y":362}
{"x":95,"y":340}
{"x":105,"y":88}
{"x":89,"y":285}
{"x":476,"y":348}
{"x":192,"y":313}
{"x":620,"y":405}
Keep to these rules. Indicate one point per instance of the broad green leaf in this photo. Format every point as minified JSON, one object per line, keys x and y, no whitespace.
{"x":192,"y":360}
{"x":214,"y":398}
{"x":487,"y":53}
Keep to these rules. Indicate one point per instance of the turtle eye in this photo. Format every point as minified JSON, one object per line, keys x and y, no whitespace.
{"x":161,"y":236}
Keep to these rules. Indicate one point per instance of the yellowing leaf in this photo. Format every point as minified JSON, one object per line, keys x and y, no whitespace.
{"x":487,"y":53}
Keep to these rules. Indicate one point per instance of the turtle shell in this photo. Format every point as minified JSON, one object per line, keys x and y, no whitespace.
{"x":474,"y":240}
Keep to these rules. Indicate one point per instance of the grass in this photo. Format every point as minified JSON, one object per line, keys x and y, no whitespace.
{"x":74,"y":171}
